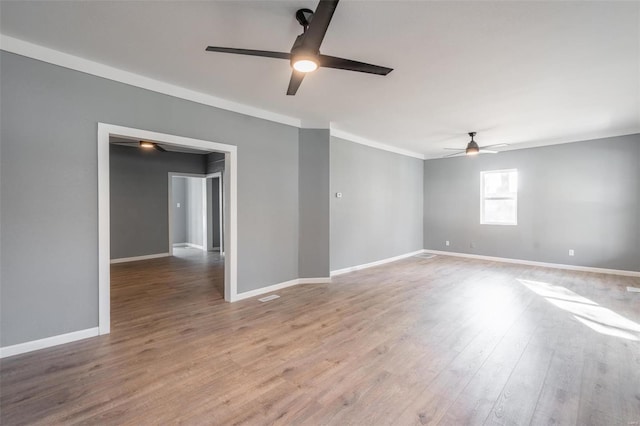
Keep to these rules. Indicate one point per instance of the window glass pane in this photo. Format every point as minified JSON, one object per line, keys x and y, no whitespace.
{"x":500,"y":211}
{"x":500,"y":184}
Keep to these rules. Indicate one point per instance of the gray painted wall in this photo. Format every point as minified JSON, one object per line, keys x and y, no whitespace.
{"x":215,"y":162}
{"x":140,"y":198}
{"x":314,"y":157}
{"x":49,"y":221}
{"x":380,"y":212}
{"x":582,"y":196}
{"x":179,"y":214}
{"x":213,"y":186}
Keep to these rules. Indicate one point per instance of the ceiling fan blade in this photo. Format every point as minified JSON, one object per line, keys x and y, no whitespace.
{"x":250,"y":52}
{"x":454,"y":149}
{"x":487,"y":151}
{"x":498,"y":145}
{"x":159,"y":148}
{"x":453,"y":155}
{"x":349,"y":65}
{"x":319,"y":24}
{"x":294,"y":83}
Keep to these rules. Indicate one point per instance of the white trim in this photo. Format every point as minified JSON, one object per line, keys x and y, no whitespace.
{"x":136,"y":258}
{"x":279,"y":286}
{"x":319,"y":280}
{"x":268,"y":289}
{"x":205,"y":225}
{"x":48,"y":342}
{"x":535,"y":263}
{"x":187,"y":175}
{"x":376,"y":263}
{"x":170,"y":214}
{"x":104,"y":231}
{"x":373,"y":144}
{"x":315,"y":124}
{"x":231,"y":191}
{"x":190,"y":245}
{"x":230,"y":237}
{"x":45,"y":54}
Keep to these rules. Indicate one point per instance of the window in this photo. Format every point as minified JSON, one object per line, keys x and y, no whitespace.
{"x":499,"y":197}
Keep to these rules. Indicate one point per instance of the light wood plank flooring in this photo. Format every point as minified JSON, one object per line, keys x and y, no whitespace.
{"x":421,"y":341}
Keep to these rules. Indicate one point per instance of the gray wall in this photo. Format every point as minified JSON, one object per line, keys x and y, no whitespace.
{"x":215,"y":162}
{"x":380,"y":213}
{"x":49,"y":190}
{"x":582,"y":196}
{"x":140,"y":198}
{"x":179,"y":214}
{"x":213,"y":188}
{"x":314,"y":157}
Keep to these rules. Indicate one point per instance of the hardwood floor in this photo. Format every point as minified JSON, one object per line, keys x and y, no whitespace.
{"x":445,"y":341}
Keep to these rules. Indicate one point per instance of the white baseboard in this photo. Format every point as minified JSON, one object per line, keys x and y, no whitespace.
{"x":47,"y":342}
{"x":136,"y":258}
{"x":191,"y":245}
{"x":279,"y":286}
{"x":376,"y":263}
{"x":319,"y":280}
{"x":534,"y":263}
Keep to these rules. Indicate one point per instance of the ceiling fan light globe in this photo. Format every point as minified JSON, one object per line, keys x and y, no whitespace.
{"x":147,"y":145}
{"x":305,"y":65}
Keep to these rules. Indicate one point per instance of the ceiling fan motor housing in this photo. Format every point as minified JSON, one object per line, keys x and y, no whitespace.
{"x":472,"y":147}
{"x":299,"y":52}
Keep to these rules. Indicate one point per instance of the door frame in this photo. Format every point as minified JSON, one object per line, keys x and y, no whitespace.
{"x":218,"y":175}
{"x":104,"y":232}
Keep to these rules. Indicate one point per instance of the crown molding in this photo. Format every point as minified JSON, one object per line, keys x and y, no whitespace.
{"x":76,"y":63}
{"x":55,"y":57}
{"x":373,"y":144}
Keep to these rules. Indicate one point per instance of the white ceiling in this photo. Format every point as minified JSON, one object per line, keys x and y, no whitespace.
{"x":523,"y":73}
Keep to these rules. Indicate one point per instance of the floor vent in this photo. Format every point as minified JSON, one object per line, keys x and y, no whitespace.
{"x":268,"y":298}
{"x":425,"y":255}
{"x":633,"y":289}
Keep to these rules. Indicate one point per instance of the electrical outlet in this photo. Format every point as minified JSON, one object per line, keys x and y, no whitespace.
{"x":446,"y":243}
{"x":571,"y":252}
{"x":178,"y":205}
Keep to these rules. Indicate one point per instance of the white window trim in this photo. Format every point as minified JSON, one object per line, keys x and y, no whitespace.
{"x":482,"y":197}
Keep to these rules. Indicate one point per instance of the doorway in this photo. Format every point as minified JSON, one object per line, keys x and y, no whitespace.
{"x":189,"y":212}
{"x":229,"y":233}
{"x":196,"y":211}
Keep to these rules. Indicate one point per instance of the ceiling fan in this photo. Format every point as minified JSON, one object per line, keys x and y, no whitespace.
{"x":305,"y":54}
{"x":473,"y":148}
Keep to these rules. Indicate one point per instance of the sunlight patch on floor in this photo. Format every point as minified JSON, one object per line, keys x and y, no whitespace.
{"x":586,"y":311}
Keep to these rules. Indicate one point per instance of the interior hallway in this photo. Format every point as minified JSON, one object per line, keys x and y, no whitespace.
{"x":420,"y":341}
